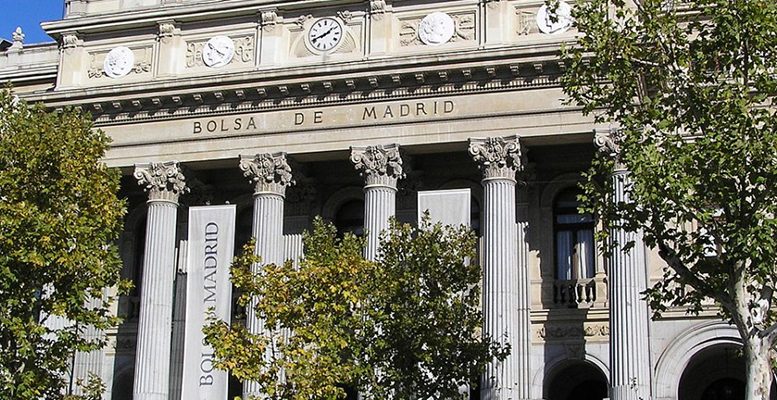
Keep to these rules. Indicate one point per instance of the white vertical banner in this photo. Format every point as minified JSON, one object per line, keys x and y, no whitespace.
{"x":448,"y":207}
{"x":211,"y":248}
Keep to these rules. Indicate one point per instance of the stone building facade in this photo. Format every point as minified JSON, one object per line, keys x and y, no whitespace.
{"x":364,"y":104}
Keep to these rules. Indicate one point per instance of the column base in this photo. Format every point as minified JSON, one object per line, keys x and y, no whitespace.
{"x":629,"y":392}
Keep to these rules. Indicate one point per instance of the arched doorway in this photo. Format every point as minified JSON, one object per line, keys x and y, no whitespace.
{"x":576,"y":380}
{"x":715,"y":373}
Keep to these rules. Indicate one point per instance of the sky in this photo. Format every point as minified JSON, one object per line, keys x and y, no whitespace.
{"x":28,"y":14}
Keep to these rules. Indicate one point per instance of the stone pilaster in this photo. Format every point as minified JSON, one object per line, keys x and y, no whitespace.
{"x":629,"y":316}
{"x":164,"y":183}
{"x":271,"y":175}
{"x":505,"y":269}
{"x":381,"y":167}
{"x":171,"y":48}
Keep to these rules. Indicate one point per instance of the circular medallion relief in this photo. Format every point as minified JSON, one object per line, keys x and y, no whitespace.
{"x":555,"y":22}
{"x":436,"y":28}
{"x":218,"y":51}
{"x":118,"y":62}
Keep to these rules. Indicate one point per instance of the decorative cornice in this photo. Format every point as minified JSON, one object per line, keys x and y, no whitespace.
{"x":270,"y":173}
{"x":379,"y":165}
{"x":354,"y":89}
{"x":497,"y":157}
{"x":163,"y":181}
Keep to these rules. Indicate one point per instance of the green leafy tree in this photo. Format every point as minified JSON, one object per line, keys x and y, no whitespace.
{"x":59,"y":221}
{"x":690,"y":87}
{"x":406,"y":326}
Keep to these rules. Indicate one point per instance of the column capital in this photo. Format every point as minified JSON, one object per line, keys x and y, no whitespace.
{"x":608,"y":141}
{"x":163,"y":181}
{"x":497,"y":157}
{"x":269,"y":172}
{"x":380,"y":165}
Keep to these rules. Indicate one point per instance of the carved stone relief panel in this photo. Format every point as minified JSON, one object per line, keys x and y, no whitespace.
{"x":537,"y":19}
{"x":416,"y":29}
{"x":119,"y":63}
{"x":243,"y":48}
{"x":565,"y":332}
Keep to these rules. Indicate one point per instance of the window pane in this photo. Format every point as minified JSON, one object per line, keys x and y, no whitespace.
{"x":564,"y":255}
{"x":585,"y":252}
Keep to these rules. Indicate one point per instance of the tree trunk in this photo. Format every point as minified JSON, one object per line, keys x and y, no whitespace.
{"x":759,"y":371}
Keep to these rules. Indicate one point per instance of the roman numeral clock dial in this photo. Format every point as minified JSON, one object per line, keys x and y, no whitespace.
{"x":325,"y":34}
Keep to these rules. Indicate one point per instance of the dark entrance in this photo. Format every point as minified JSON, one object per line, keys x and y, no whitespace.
{"x":576,"y":380}
{"x":715,"y":373}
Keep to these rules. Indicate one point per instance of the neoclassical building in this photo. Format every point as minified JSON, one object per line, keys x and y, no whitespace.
{"x":352,"y":109}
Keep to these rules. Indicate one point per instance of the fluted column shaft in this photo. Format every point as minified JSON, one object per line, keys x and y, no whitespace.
{"x":629,"y":331}
{"x":500,"y":286}
{"x":271,"y":174}
{"x":630,"y":374}
{"x":91,"y":362}
{"x":505,"y":269}
{"x":523,"y":316}
{"x":379,"y":206}
{"x":164,"y":182}
{"x":381,"y":167}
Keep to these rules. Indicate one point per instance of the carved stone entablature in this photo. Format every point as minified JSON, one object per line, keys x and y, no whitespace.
{"x":565,"y":332}
{"x":497,"y":158}
{"x":163,"y":181}
{"x":378,"y":8}
{"x":344,"y":90}
{"x":244,"y":52}
{"x":607,"y":141}
{"x":167,"y":30}
{"x":270,"y":173}
{"x":269,"y":20}
{"x":379,"y":165}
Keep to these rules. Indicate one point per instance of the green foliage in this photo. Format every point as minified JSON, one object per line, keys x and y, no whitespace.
{"x":691,"y":88}
{"x":406,"y":326}
{"x":59,"y":221}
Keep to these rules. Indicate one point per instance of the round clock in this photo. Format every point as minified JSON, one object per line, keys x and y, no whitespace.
{"x":118,"y":62}
{"x":436,"y":28}
{"x":218,"y":51}
{"x":555,"y":22}
{"x":325,"y":34}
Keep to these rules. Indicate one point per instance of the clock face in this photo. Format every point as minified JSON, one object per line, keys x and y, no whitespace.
{"x":325,"y":34}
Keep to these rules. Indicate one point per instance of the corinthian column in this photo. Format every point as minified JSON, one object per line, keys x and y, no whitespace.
{"x":505,"y":275}
{"x":270,"y":174}
{"x":164,"y":182}
{"x":381,"y":167}
{"x":629,"y":332}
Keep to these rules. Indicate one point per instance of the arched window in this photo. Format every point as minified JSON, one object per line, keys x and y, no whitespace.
{"x":350,"y":218}
{"x":574,"y":238}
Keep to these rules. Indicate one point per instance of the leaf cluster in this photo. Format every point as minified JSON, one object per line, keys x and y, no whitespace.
{"x":402,"y":327}
{"x":690,"y":89}
{"x":59,"y":221}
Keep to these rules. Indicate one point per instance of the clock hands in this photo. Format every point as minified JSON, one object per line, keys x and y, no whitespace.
{"x":322,"y":35}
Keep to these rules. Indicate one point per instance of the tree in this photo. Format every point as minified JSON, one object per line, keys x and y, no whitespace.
{"x":59,"y":221}
{"x":690,"y":89}
{"x":406,"y":326}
